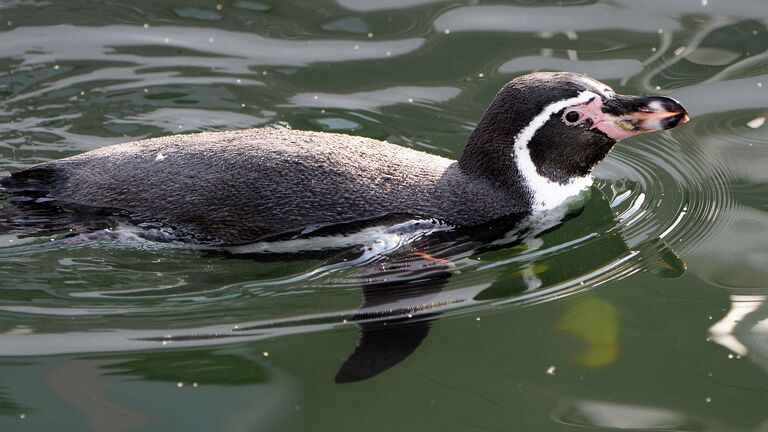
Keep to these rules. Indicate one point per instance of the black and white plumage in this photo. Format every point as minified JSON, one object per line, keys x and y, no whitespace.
{"x":535,"y":146}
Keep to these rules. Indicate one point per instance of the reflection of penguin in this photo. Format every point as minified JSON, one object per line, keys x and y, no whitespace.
{"x":399,"y":306}
{"x":535,"y":146}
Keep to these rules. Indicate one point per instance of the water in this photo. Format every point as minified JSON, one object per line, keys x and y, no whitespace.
{"x":644,"y":310}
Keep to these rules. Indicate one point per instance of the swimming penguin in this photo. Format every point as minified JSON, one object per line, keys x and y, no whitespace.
{"x":534,"y":147}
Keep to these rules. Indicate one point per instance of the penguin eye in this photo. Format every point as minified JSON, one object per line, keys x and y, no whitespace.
{"x":572,"y":117}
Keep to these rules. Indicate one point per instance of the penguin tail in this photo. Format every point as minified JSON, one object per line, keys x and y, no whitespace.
{"x":31,"y":184}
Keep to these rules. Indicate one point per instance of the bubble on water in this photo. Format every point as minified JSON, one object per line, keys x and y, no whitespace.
{"x":708,"y":399}
{"x":194,"y":384}
{"x":265,"y":353}
{"x":22,"y":415}
{"x":756,"y":122}
{"x":179,"y":384}
{"x":551,"y":370}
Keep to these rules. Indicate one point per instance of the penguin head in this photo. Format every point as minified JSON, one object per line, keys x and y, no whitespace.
{"x":547,"y":128}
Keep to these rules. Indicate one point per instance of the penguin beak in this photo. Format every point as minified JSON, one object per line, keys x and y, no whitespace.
{"x":626,"y":116}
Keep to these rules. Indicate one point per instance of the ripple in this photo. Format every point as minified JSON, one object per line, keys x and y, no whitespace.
{"x":68,"y":88}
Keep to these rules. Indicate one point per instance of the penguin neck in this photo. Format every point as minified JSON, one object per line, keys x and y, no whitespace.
{"x":489,"y":155}
{"x":498,"y":150}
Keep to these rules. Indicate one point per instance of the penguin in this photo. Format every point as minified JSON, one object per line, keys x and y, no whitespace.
{"x":534,"y":147}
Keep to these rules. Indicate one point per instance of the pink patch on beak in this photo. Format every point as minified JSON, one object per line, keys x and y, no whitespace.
{"x":601,"y":121}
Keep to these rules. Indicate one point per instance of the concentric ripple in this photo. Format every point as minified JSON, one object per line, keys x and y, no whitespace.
{"x":653,"y":202}
{"x":392,"y":73}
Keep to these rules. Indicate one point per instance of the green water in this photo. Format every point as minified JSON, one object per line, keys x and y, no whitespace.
{"x":645,"y":311}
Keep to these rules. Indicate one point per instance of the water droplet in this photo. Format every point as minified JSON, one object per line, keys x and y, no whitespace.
{"x":477,"y":319}
{"x":653,"y":49}
{"x":389,"y":53}
{"x":551,"y":370}
{"x":410,"y":99}
{"x":56,"y":67}
{"x":660,"y":31}
{"x":219,"y":6}
{"x":370,"y":35}
{"x":179,"y":384}
{"x":357,"y":47}
{"x":679,"y":50}
{"x":167,"y":40}
{"x":759,"y":85}
{"x":238,"y":80}
{"x":265,"y":354}
{"x":210,"y":40}
{"x":314,"y":97}
{"x":22,"y":415}
{"x":658,"y":87}
{"x":704,"y":3}
{"x":708,"y":399}
{"x":480,"y":75}
{"x":146,"y":25}
{"x":730,"y":356}
{"x":194,"y":384}
{"x":447,"y":31}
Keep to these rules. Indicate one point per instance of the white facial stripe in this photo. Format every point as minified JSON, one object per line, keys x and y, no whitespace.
{"x":596,"y":86}
{"x":546,"y":193}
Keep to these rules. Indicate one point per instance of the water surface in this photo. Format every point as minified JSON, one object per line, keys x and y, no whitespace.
{"x":644,"y":310}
